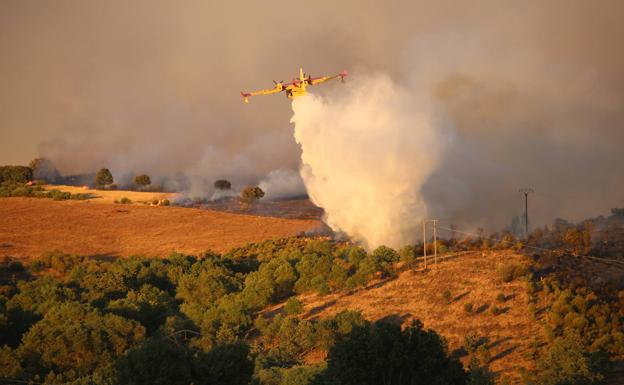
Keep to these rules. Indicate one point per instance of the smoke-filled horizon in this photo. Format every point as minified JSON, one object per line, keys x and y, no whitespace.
{"x":517,"y":94}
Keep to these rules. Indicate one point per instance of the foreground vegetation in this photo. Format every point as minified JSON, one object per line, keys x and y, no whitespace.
{"x":200,"y":320}
{"x":212,"y":319}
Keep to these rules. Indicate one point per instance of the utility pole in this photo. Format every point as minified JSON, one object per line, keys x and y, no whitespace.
{"x":425,"y":241}
{"x":526,"y":191}
{"x":435,"y":241}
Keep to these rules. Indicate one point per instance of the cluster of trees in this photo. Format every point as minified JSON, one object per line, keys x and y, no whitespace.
{"x":15,"y":174}
{"x":18,"y":189}
{"x":188,"y":319}
{"x":583,"y":328}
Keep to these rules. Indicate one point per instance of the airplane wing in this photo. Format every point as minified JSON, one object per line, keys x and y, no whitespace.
{"x":266,"y":91}
{"x":323,"y":79}
{"x":270,"y":91}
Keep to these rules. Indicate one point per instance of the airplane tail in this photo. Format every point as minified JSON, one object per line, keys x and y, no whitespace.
{"x":343,"y":74}
{"x":302,"y":79}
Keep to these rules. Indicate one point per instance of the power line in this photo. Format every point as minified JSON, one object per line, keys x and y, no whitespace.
{"x":536,"y":247}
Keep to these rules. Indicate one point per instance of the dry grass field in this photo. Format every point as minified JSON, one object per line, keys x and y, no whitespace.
{"x":109,"y":196}
{"x":470,"y":278}
{"x":30,"y":227}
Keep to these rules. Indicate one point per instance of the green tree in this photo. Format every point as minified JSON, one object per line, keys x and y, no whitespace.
{"x":44,"y":169}
{"x":382,"y":353}
{"x":567,"y":362}
{"x":103,"y":178}
{"x":222,"y":184}
{"x":251,"y":194}
{"x":158,"y":361}
{"x":142,"y":180}
{"x":18,"y":174}
{"x":78,"y":338}
{"x":293,"y":306}
{"x":148,"y":305}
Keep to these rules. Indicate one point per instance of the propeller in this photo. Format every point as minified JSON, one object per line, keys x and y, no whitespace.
{"x":280,"y":82}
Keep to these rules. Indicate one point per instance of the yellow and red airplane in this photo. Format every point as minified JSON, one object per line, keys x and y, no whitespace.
{"x":295,"y":88}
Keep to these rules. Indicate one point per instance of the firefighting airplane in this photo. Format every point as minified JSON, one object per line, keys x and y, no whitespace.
{"x":295,"y":88}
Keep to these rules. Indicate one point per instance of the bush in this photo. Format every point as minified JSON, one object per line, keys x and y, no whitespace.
{"x":59,"y":195}
{"x":501,"y":297}
{"x":509,"y":272}
{"x":496,"y":310}
{"x":15,"y":266}
{"x":165,"y":202}
{"x":447,"y":296}
{"x":468,"y":307}
{"x":125,"y":201}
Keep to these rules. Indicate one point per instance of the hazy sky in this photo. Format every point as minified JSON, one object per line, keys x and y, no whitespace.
{"x":153,"y":86}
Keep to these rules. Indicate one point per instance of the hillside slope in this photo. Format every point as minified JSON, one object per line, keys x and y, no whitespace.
{"x":470,"y":278}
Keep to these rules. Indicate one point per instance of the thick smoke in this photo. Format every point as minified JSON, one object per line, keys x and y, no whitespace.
{"x":458,"y":139}
{"x":281,"y":184}
{"x":366,"y":151}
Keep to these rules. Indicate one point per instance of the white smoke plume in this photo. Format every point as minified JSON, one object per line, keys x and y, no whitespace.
{"x":366,"y":152}
{"x":281,"y":184}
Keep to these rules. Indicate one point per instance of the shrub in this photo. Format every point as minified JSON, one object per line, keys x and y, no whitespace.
{"x":468,"y":307}
{"x":165,"y":202}
{"x":496,"y":310}
{"x":471,"y":343}
{"x":483,"y":355}
{"x":408,"y":255}
{"x":293,"y":306}
{"x":59,"y":195}
{"x":125,"y":201}
{"x":501,"y":297}
{"x":15,"y":266}
{"x":509,"y":272}
{"x":447,"y":296}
